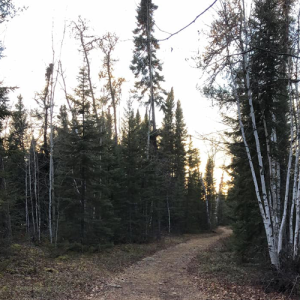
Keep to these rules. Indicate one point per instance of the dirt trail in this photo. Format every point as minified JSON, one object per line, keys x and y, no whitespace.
{"x":161,"y":276}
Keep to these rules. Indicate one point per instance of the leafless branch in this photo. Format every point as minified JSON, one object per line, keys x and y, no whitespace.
{"x":185,"y":27}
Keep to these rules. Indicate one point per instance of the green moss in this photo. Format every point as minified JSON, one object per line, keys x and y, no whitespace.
{"x":16,"y":247}
{"x":63,"y":258}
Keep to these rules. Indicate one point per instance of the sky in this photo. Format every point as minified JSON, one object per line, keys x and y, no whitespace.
{"x":29,"y":50}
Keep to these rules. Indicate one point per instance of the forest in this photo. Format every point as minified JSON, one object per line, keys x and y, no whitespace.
{"x":91,"y":180}
{"x":84,"y":178}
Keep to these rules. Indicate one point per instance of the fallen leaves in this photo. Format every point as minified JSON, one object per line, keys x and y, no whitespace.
{"x":219,"y":276}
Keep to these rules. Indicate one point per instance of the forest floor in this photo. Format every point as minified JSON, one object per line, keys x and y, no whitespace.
{"x":188,"y":267}
{"x":30,"y":272}
{"x":188,"y":271}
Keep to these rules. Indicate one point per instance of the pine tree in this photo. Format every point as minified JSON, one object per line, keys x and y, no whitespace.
{"x":195,"y":216}
{"x":85,"y":207}
{"x":61,"y":176}
{"x":180,"y":162}
{"x":5,"y":211}
{"x":15,"y":164}
{"x":132,"y":208}
{"x":180,"y":139}
{"x":167,"y":131}
{"x":145,"y":65}
{"x":167,"y":160}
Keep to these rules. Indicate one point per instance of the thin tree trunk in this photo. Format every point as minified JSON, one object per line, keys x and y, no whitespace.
{"x":262,"y":201}
{"x":218,"y":201}
{"x":8,"y":216}
{"x":273,"y":181}
{"x":51,"y":176}
{"x":148,"y":136}
{"x":112,"y":94}
{"x":26,"y":198}
{"x":296,"y":234}
{"x":272,"y":242}
{"x":296,"y":170}
{"x":169,"y":214}
{"x":36,"y":195}
{"x":295,"y":189}
{"x":287,"y":185}
{"x":149,"y":51}
{"x":31,"y":197}
{"x":206,"y":204}
{"x":57,"y":223}
{"x":9,"y":228}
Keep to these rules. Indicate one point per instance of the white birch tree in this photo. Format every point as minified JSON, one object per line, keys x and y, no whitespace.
{"x":232,"y":50}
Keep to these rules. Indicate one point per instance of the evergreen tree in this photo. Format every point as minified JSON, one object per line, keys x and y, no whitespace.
{"x":61,"y":176}
{"x":270,"y":102}
{"x":173,"y":162}
{"x":244,"y":210}
{"x":132,"y":208}
{"x":195,"y":216}
{"x":5,"y":211}
{"x":15,"y":165}
{"x":145,"y":65}
{"x":84,"y":205}
{"x":180,"y":162}
{"x":260,"y":90}
{"x":167,"y":161}
{"x":167,"y":131}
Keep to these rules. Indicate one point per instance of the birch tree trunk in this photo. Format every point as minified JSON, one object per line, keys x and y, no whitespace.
{"x":261,"y":195}
{"x":26,"y":197}
{"x":30,"y":192}
{"x":81,"y":29}
{"x":51,"y":172}
{"x":231,"y":48}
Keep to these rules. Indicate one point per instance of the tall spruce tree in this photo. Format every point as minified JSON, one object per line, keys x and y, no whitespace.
{"x":132,"y":208}
{"x":145,"y":64}
{"x":5,"y":227}
{"x":15,"y":165}
{"x":195,"y":216}
{"x":86,"y":210}
{"x":180,"y":162}
{"x":167,"y":160}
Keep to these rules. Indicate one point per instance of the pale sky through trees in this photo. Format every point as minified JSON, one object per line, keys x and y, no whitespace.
{"x":28,"y":43}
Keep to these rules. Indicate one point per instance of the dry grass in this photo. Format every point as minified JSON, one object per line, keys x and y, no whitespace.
{"x":218,"y":273}
{"x":31,"y":272}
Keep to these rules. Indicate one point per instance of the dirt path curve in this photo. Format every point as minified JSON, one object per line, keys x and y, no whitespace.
{"x":161,"y":276}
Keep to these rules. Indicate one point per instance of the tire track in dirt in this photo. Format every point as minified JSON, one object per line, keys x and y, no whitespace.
{"x":161,"y":276}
